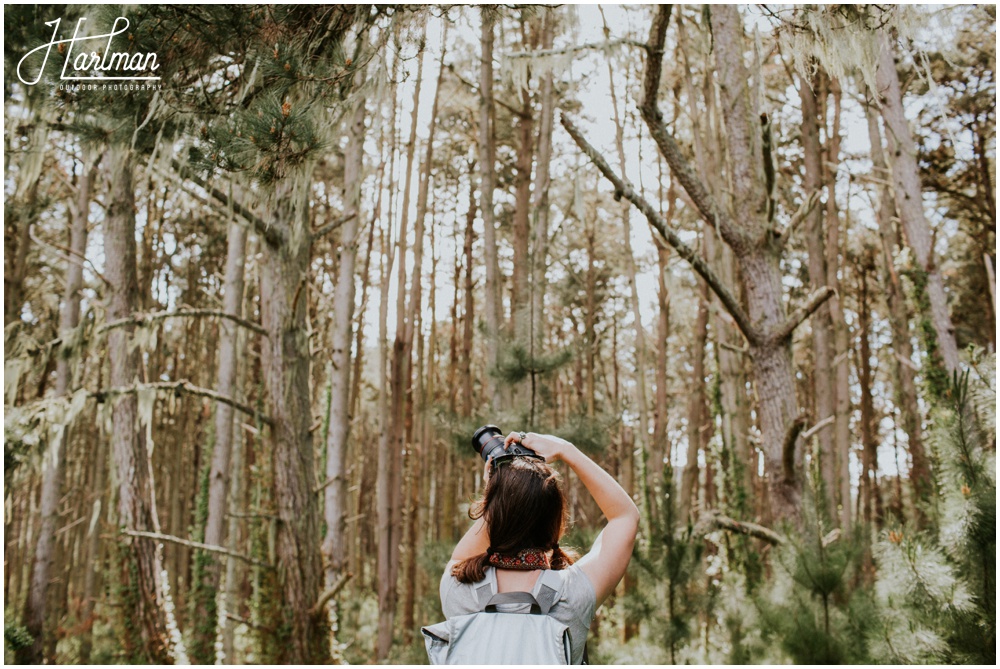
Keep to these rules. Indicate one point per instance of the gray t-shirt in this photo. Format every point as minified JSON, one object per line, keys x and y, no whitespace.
{"x":574,"y":608}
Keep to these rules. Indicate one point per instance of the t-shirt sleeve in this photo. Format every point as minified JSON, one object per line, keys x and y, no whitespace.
{"x":454,"y":602}
{"x":578,"y":593}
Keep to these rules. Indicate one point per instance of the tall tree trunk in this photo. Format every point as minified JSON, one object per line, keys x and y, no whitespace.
{"x":824,"y":390}
{"x":869,"y":456}
{"x":468,"y":317}
{"x":910,"y":205}
{"x":285,"y":364}
{"x":335,"y":548}
{"x":203,"y":648}
{"x":697,"y":411}
{"x":520,"y":324}
{"x":146,"y":639}
{"x":540,"y":211}
{"x":899,"y":320}
{"x":492,"y":305}
{"x":54,"y":460}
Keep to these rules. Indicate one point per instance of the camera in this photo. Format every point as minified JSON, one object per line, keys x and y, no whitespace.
{"x":488,"y":442}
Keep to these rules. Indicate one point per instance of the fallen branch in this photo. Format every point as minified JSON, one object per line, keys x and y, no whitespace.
{"x":156,"y":536}
{"x":187,"y":387}
{"x":797,"y":317}
{"x":330,"y":592}
{"x":625,"y":190}
{"x":716,"y":521}
{"x":143,"y":319}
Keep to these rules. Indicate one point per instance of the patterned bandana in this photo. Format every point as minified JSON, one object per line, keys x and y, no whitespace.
{"x":526,"y":559}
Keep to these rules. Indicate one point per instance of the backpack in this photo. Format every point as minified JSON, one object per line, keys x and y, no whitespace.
{"x":491,"y":636}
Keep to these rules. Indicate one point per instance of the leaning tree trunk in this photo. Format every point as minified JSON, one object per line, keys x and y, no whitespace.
{"x":910,"y":205}
{"x":144,"y":618}
{"x":54,"y":461}
{"x":899,"y":319}
{"x":748,"y":229}
{"x":285,"y":366}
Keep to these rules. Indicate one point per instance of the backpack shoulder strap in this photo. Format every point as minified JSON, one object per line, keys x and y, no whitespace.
{"x":549,"y":584}
{"x":486,"y":589}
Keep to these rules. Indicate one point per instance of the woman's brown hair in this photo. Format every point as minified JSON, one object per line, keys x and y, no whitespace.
{"x":524,"y":507}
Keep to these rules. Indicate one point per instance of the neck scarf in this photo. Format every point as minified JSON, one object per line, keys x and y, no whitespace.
{"x":526,"y":559}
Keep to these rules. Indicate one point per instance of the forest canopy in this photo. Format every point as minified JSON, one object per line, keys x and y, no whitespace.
{"x":267,"y":268}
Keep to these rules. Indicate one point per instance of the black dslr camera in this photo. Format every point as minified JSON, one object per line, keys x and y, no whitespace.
{"x":488,"y":441}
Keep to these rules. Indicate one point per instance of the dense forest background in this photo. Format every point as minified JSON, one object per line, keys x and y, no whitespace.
{"x":743,"y":257}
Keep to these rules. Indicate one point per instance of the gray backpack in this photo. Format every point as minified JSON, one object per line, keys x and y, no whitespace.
{"x":492,"y":636}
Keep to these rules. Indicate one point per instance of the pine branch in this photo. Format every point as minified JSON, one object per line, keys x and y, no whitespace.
{"x":679,"y":166}
{"x":716,"y":521}
{"x":188,"y":387}
{"x":200,"y":546}
{"x":700,"y":266}
{"x":274,"y":235}
{"x":796,"y":318}
{"x":143,"y":319}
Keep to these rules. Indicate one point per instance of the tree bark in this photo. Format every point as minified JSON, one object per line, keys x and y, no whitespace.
{"x":520,"y":325}
{"x":202,"y":650}
{"x":697,"y":411}
{"x":910,"y":204}
{"x":285,"y":366}
{"x":146,"y":637}
{"x":54,"y":460}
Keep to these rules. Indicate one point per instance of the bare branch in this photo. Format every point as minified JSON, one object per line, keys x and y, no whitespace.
{"x":188,"y":387}
{"x":796,"y":318}
{"x":803,"y":211}
{"x":679,"y":166}
{"x":714,"y":520}
{"x":274,"y":235}
{"x":143,"y":319}
{"x":333,"y":225}
{"x":700,"y":266}
{"x":788,"y":448}
{"x":200,"y":546}
{"x":817,"y":427}
{"x":332,"y":591}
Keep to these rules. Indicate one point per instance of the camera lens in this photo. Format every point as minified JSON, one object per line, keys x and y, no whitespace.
{"x":488,"y":441}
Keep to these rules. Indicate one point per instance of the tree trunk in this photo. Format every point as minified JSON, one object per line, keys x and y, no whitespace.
{"x":899,"y":319}
{"x":54,"y":461}
{"x":285,"y":363}
{"x":203,"y":648}
{"x":468,"y":317}
{"x":824,"y":390}
{"x":910,"y":205}
{"x":697,"y":411}
{"x":520,"y":325}
{"x":145,"y":621}
{"x":335,"y":549}
{"x":492,"y":305}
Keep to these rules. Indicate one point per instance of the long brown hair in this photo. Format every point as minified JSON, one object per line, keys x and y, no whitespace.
{"x":524,"y":507}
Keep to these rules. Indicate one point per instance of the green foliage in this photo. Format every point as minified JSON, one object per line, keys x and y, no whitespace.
{"x":16,"y":637}
{"x":936,"y":594}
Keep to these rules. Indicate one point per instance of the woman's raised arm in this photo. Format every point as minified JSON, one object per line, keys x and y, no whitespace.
{"x":607,"y":560}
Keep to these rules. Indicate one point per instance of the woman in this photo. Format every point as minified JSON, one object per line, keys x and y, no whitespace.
{"x":519,"y":522}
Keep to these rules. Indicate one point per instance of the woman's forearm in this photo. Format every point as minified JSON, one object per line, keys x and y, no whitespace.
{"x":612,"y":499}
{"x":475,"y":542}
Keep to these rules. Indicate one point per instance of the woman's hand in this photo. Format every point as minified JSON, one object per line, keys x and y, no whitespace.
{"x":548,"y":446}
